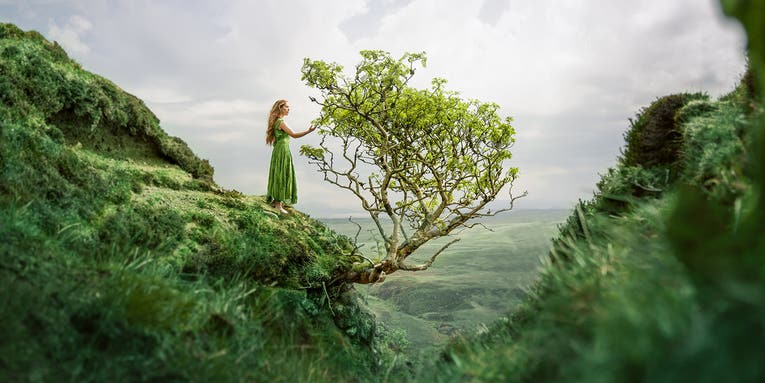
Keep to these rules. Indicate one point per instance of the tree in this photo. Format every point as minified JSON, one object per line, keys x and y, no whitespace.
{"x":425,"y":158}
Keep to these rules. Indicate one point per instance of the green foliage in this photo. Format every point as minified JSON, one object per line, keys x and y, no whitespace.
{"x":427,"y":141}
{"x":423,"y":157}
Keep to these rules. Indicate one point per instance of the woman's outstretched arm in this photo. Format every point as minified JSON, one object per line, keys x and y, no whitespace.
{"x":283,"y":126}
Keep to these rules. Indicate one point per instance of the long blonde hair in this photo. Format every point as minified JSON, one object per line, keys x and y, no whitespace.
{"x":272,"y":117}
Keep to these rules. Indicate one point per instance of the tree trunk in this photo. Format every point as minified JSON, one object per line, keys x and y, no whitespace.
{"x":370,"y":274}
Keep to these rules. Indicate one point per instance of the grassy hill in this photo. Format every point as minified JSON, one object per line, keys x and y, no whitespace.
{"x":122,"y":260}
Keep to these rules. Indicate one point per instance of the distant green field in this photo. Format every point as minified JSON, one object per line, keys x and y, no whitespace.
{"x":474,"y":282}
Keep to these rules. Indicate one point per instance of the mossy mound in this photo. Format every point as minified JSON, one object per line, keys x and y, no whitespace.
{"x":655,"y":138}
{"x":77,"y":106}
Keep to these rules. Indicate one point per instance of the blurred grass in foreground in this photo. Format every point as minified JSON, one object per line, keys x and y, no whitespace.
{"x":661,"y":276}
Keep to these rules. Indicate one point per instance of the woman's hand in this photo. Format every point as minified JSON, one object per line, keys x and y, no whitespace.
{"x":312,"y":128}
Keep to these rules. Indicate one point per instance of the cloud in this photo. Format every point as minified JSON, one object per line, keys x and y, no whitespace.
{"x":70,"y":35}
{"x":571,"y":73}
{"x":160,"y":95}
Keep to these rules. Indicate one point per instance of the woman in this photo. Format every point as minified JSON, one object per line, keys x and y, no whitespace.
{"x":282,"y":187}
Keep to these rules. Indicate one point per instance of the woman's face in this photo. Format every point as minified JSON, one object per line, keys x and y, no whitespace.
{"x":285,"y":109}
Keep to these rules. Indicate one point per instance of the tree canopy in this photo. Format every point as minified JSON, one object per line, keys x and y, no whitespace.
{"x":425,"y":158}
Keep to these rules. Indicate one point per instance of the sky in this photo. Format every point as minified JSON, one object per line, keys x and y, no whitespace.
{"x":571,"y":73}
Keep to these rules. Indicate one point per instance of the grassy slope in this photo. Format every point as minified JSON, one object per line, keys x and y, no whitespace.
{"x":661,"y":276}
{"x":121,"y":260}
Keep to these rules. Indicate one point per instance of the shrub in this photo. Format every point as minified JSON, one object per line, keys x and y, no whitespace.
{"x":654,"y":137}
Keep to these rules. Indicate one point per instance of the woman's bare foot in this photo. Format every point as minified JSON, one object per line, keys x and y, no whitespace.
{"x":278,"y":206}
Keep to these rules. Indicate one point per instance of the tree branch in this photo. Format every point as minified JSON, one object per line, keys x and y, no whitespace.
{"x":423,"y":266}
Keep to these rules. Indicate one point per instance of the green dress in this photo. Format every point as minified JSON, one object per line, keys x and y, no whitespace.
{"x":281,"y":174}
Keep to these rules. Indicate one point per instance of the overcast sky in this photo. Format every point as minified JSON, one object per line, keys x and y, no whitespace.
{"x":570,"y":72}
